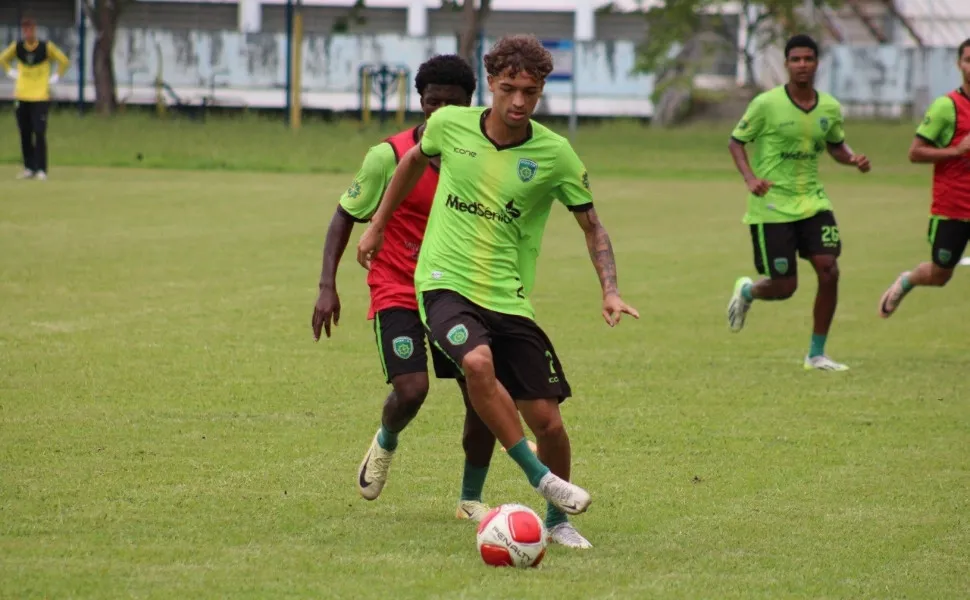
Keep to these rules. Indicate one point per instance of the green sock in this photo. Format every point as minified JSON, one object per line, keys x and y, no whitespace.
{"x":818,"y":345}
{"x":746,"y":292}
{"x":528,"y":461}
{"x":473,"y":482}
{"x":387,"y":439}
{"x":554,"y":516}
{"x":906,"y":283}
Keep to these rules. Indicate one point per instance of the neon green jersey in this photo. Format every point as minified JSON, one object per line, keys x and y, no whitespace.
{"x":364,"y":195}
{"x":788,"y":142}
{"x":491,"y":208}
{"x":940,"y":122}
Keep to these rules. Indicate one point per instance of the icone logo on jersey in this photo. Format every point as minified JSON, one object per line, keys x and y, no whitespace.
{"x":477,"y":209}
{"x":465,"y":152}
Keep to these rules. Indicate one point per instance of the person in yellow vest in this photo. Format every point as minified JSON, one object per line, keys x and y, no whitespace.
{"x":33,"y":74}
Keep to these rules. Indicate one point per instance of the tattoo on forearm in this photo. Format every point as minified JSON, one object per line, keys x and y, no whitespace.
{"x":601,"y":253}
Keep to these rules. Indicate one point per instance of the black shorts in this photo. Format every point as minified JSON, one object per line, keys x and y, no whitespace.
{"x":525,"y":361}
{"x":400,"y":342}
{"x":948,"y":237}
{"x":775,"y":244}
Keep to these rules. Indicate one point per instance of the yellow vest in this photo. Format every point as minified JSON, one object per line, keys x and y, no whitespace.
{"x":34,"y":68}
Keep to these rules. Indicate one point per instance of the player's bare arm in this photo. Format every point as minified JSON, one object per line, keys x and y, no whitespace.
{"x":406,"y":176}
{"x":844,"y":155}
{"x":327,"y":308}
{"x":923,"y":151}
{"x":601,"y":253}
{"x":758,"y":187}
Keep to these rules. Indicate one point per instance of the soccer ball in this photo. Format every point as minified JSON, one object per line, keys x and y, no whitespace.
{"x":512,"y":535}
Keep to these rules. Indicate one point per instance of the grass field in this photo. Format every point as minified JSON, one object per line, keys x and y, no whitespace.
{"x":168,"y":428}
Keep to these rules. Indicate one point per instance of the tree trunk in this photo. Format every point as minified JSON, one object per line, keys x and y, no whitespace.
{"x":105,"y":96}
{"x":104,"y":17}
{"x":474,"y":20}
{"x":749,"y":78}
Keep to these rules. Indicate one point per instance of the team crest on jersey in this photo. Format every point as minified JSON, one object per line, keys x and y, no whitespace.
{"x":586,"y":180}
{"x":823,"y":123}
{"x":781,"y":265}
{"x":944,"y":255}
{"x":403,"y":347}
{"x":527,"y":169}
{"x":457,"y":335}
{"x":743,"y":124}
{"x":354,"y":190}
{"x":927,"y":120}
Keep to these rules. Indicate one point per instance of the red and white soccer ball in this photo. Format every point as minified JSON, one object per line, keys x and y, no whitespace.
{"x":512,"y":535}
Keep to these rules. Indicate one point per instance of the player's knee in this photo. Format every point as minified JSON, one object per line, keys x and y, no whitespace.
{"x":478,"y":364}
{"x":549,"y":426}
{"x":828,"y":272}
{"x":940,"y":276}
{"x":411,"y":391}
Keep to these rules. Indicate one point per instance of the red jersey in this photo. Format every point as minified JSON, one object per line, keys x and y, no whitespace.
{"x":391,"y":276}
{"x":951,"y":178}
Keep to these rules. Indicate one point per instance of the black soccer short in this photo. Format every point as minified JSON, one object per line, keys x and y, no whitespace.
{"x":525,"y":361}
{"x":949,"y":238}
{"x":401,"y":344}
{"x":776,"y":244}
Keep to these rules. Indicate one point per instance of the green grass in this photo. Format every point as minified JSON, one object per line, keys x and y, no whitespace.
{"x":257,"y":143}
{"x":169,"y":429}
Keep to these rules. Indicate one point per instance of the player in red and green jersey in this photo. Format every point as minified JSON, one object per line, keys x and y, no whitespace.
{"x":943,"y":139}
{"x":500,"y":172}
{"x":789,"y":212}
{"x":441,"y":81}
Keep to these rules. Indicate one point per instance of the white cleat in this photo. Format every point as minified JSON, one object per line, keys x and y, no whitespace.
{"x":472,"y":510}
{"x":823,"y":363}
{"x":893,"y":297}
{"x":372,"y":474}
{"x":738,"y":307}
{"x":567,"y":497}
{"x":566,"y":535}
{"x":40,"y":176}
{"x":26,"y":174}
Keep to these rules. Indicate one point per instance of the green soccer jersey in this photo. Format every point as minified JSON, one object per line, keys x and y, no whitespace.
{"x":491,"y":208}
{"x":364,"y":195}
{"x":940,"y":122}
{"x":788,"y":142}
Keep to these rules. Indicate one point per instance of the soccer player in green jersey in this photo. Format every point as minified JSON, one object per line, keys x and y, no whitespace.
{"x":788,"y":209}
{"x":500,"y":172}
{"x":440,"y":81}
{"x":943,"y":140}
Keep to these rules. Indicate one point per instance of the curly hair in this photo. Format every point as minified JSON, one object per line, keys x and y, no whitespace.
{"x":517,"y":53}
{"x":445,"y":69}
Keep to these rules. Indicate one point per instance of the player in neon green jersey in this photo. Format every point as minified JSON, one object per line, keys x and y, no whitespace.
{"x":788,"y":209}
{"x":500,"y":172}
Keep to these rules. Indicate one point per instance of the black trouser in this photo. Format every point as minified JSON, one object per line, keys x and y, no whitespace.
{"x":32,"y":120}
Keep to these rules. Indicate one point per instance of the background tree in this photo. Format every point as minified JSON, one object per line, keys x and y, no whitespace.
{"x":687,"y":37}
{"x":472,"y":25}
{"x":474,"y":15}
{"x":104,"y":16}
{"x":684,"y":35}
